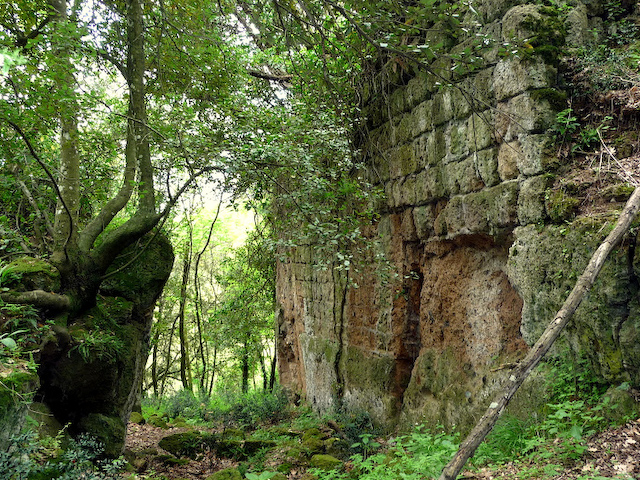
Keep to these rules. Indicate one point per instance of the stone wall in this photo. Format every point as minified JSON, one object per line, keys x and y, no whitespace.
{"x":477,"y":269}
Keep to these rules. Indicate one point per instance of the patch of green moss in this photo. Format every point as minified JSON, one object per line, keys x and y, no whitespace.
{"x":169,"y":460}
{"x":556,"y":98}
{"x":27,"y":273}
{"x":157,"y":421}
{"x":560,"y":206}
{"x":549,"y":35}
{"x":14,"y":387}
{"x":226,"y":474}
{"x":108,"y":430}
{"x":325,"y":462}
{"x":136,"y":417}
{"x":313,"y":445}
{"x":619,"y":193}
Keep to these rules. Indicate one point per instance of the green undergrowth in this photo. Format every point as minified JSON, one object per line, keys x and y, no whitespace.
{"x":266,"y":437}
{"x":229,"y":409}
{"x":349,"y":446}
{"x":546,"y":444}
{"x":33,"y":458}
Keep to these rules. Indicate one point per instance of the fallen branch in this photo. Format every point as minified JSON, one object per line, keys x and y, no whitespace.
{"x":546,"y":340}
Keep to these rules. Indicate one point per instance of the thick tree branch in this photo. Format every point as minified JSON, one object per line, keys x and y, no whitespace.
{"x":38,"y":298}
{"x":136,"y":68}
{"x":139,"y":225}
{"x":285,"y":79}
{"x":544,"y":343}
{"x":97,"y":225}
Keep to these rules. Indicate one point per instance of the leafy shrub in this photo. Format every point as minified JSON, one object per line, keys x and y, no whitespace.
{"x":185,"y":404}
{"x":28,"y":458}
{"x":355,"y":425}
{"x":421,"y":454}
{"x":255,"y":408}
{"x":507,"y":441}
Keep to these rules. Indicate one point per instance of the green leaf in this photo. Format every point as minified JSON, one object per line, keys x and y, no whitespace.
{"x":576,"y":432}
{"x":9,"y":342}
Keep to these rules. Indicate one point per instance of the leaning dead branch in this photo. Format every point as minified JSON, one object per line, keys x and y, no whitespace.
{"x":544,"y":343}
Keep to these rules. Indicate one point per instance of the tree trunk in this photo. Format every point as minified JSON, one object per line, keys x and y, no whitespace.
{"x":546,"y":340}
{"x":272,"y":376}
{"x":66,"y":215}
{"x":185,"y":365}
{"x":245,"y":366}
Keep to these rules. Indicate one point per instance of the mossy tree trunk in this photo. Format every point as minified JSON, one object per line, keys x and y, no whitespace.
{"x":85,"y":255}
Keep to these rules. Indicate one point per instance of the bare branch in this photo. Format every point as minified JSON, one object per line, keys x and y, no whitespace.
{"x":27,"y":193}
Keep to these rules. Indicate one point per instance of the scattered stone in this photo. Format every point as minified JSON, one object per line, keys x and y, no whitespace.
{"x":226,"y":474}
{"x":136,"y":417}
{"x":325,"y":462}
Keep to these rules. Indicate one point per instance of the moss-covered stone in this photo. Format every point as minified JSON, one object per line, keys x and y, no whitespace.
{"x":556,"y":98}
{"x":136,"y":417}
{"x":619,"y":406}
{"x":233,"y":434}
{"x":108,"y":430}
{"x":172,"y":461}
{"x":48,"y":425}
{"x":16,"y":389}
{"x":254,"y":445}
{"x":226,"y":474}
{"x":544,"y":264}
{"x":187,"y":444}
{"x":325,"y":462}
{"x":313,"y":445}
{"x":157,"y":421}
{"x":618,"y":193}
{"x":93,"y":366}
{"x":231,"y":448}
{"x":560,"y":206}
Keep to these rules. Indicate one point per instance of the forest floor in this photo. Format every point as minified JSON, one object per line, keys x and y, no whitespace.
{"x":613,"y":453}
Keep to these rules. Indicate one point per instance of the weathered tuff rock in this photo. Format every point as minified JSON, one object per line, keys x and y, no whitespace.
{"x":476,"y":266}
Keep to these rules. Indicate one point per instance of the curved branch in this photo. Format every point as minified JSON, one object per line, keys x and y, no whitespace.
{"x":38,"y":298}
{"x":133,"y":229}
{"x":97,"y":225}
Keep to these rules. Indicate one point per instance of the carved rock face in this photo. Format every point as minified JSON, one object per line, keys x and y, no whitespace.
{"x":476,"y":267}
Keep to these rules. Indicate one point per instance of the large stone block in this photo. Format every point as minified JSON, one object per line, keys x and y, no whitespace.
{"x":508,"y":155}
{"x":462,"y":177}
{"x":491,"y":211}
{"x":513,"y":76}
{"x":538,"y":155}
{"x":457,"y":145}
{"x":531,"y":201}
{"x":523,"y":114}
{"x":423,"y":221}
{"x":480,"y":130}
{"x":544,"y":264}
{"x":429,"y":185}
